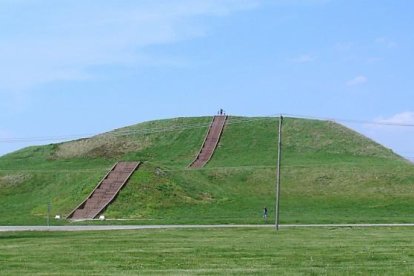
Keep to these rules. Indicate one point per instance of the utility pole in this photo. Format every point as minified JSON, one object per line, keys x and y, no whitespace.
{"x":279,"y":159}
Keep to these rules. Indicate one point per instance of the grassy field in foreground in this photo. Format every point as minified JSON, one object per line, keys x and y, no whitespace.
{"x":350,"y":251}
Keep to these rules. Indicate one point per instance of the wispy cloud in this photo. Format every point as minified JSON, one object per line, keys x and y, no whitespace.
{"x":299,"y":2}
{"x":306,"y":58}
{"x":394,"y":131}
{"x":384,"y":41}
{"x":358,"y":80}
{"x":73,"y":36}
{"x":403,"y":118}
{"x":344,"y":46}
{"x":373,"y":59}
{"x":5,"y":134}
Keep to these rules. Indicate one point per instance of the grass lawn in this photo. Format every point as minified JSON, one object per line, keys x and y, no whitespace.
{"x":332,"y":251}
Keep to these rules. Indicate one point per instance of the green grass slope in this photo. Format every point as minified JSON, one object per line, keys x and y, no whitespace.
{"x":329,"y":174}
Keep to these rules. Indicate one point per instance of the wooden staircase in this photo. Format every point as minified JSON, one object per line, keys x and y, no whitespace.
{"x":210,"y":142}
{"x":105,"y":192}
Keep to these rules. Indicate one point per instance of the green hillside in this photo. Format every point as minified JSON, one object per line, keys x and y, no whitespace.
{"x":330,"y":174}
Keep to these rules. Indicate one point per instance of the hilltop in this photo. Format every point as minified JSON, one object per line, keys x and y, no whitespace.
{"x":329,"y":174}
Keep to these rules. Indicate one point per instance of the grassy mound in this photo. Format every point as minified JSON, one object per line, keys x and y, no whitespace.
{"x":329,"y":174}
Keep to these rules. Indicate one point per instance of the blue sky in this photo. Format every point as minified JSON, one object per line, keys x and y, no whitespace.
{"x":70,"y":68}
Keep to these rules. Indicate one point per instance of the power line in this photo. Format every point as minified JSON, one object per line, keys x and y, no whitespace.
{"x":145,"y":131}
{"x":180,"y":127}
{"x":306,"y":151}
{"x":351,"y":167}
{"x":366,"y":122}
{"x":118,"y":133}
{"x":298,"y":150}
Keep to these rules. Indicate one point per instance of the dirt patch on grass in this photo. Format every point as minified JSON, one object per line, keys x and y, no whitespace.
{"x":100,"y":146}
{"x":12,"y":180}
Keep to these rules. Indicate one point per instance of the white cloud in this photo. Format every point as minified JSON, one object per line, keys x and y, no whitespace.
{"x":403,"y":118}
{"x":373,"y":60}
{"x":5,"y":134}
{"x":384,"y":41}
{"x":358,"y":80}
{"x":299,"y":2}
{"x":344,"y":46}
{"x":306,"y":58}
{"x":395,"y":132}
{"x":72,"y":36}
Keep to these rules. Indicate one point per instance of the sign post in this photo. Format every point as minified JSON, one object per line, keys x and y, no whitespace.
{"x":48,"y":213}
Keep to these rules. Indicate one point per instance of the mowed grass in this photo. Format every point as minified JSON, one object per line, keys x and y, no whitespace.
{"x":330,"y":174}
{"x":323,"y":251}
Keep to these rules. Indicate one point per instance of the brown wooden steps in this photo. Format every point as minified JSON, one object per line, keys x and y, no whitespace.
{"x":210,"y":142}
{"x":105,"y":192}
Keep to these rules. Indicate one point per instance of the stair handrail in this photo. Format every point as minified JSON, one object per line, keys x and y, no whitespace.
{"x":205,"y":139}
{"x":218,"y":139}
{"x":91,"y":193}
{"x":119,"y":189}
